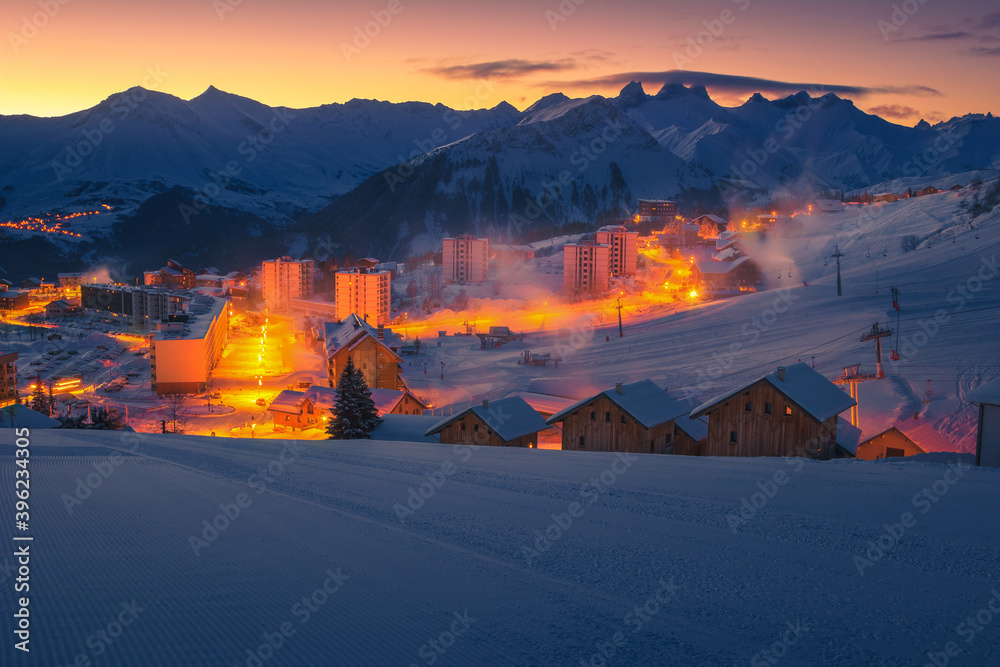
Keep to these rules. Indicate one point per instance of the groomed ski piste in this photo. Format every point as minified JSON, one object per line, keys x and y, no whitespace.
{"x":183,"y":550}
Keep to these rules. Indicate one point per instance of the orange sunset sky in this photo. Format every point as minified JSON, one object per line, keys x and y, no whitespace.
{"x":936,"y":61}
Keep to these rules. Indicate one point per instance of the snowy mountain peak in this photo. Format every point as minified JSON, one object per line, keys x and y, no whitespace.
{"x":632,"y":95}
{"x":546,"y":102}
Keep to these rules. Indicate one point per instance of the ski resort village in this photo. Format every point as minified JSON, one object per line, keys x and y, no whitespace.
{"x":812,"y":332}
{"x":572,"y":333}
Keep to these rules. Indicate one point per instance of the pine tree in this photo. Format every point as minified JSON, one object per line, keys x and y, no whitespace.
{"x":52,"y":400}
{"x":354,"y":412}
{"x":38,"y":401}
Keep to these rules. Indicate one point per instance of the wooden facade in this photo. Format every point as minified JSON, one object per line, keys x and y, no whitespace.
{"x":470,"y":429}
{"x":762,"y":421}
{"x":601,"y":426}
{"x":887,"y":444}
{"x":379,"y":364}
{"x":685,"y":445}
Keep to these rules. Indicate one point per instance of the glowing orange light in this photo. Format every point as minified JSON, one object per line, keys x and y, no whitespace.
{"x":693,"y":294}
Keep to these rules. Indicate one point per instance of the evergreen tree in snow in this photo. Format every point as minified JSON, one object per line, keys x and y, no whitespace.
{"x":39,"y":403}
{"x":354,"y":412}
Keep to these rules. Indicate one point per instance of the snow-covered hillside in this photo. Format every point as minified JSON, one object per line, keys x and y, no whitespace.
{"x":950,"y":298}
{"x":379,"y":553}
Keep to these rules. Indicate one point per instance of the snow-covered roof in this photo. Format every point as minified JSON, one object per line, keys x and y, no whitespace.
{"x":21,"y":416}
{"x":386,"y":400}
{"x":338,"y":334}
{"x":510,"y":417}
{"x":644,"y":401}
{"x":287,"y":401}
{"x":321,"y":397}
{"x":546,"y":403}
{"x":848,"y":435}
{"x":721,"y":266}
{"x":802,"y":385}
{"x":985,"y":394}
{"x":708,"y":217}
{"x":727,"y":254}
{"x":695,"y":427}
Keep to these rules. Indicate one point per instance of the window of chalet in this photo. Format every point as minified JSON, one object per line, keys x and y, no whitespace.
{"x":581,"y":442}
{"x":309,"y":408}
{"x":788,"y":411}
{"x":607,"y":416}
{"x":748,"y":406}
{"x":767,"y":408}
{"x":732,"y":437}
{"x":475,"y":428}
{"x":623,"y":419}
{"x":462,"y":426}
{"x":593,"y":416}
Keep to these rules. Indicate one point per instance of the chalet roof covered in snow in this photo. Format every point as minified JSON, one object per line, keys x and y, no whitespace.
{"x":805,"y":387}
{"x":546,"y":403}
{"x":708,"y":217}
{"x":644,"y":401}
{"x":848,"y":435}
{"x":338,"y":334}
{"x":386,"y":400}
{"x":696,"y":428}
{"x":510,"y":417}
{"x":321,"y":397}
{"x":720,"y":267}
{"x":985,"y":394}
{"x":287,"y":401}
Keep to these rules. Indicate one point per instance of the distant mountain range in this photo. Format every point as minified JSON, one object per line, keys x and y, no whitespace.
{"x":391,"y":179}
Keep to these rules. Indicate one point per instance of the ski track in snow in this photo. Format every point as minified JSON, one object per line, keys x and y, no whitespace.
{"x":665,"y":517}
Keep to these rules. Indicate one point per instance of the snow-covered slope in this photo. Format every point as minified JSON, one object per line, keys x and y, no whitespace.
{"x":507,"y":557}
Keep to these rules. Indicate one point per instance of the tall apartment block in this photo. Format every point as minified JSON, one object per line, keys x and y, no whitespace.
{"x":586,"y":268}
{"x":465,"y":259}
{"x":624,"y":249}
{"x":364,"y":292}
{"x":284,"y":279}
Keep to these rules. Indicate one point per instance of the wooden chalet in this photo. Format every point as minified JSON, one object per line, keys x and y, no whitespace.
{"x":638,"y":417}
{"x":397,"y":402}
{"x":890,"y":443}
{"x":374,"y":351}
{"x":690,"y":436}
{"x":302,"y":409}
{"x":793,"y":411}
{"x":509,"y":422}
{"x":727,"y":278}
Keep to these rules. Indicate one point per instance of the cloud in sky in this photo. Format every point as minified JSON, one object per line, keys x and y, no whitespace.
{"x":977,"y":31}
{"x":739,"y":84}
{"x":898,"y":111}
{"x":501,"y":69}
